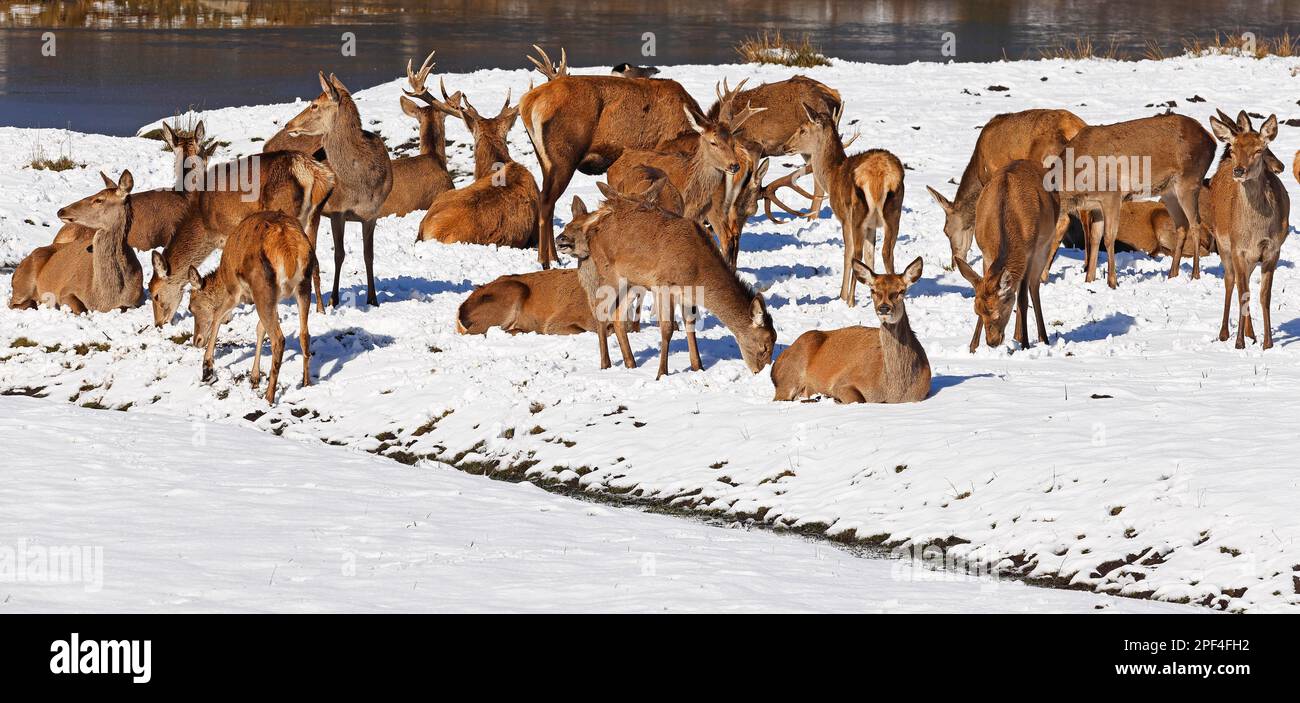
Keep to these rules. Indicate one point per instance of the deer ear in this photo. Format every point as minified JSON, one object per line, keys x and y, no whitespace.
{"x":125,"y":183}
{"x":968,"y":273}
{"x":578,"y":209}
{"x":339,"y":88}
{"x":200,"y":131}
{"x":1268,"y":130}
{"x":1004,"y":284}
{"x":325,"y":86}
{"x":108,"y":182}
{"x":409,"y":107}
{"x":169,"y":135}
{"x":159,"y":265}
{"x":1222,"y":131}
{"x":758,"y":311}
{"x":194,"y":278}
{"x":912,"y":273}
{"x":944,"y":203}
{"x":761,"y":171}
{"x":1243,"y":122}
{"x":607,"y":190}
{"x":863,"y":273}
{"x":695,"y":125}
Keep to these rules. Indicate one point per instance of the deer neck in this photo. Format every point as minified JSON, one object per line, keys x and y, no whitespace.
{"x":968,"y":189}
{"x":110,"y":264}
{"x":828,"y":159}
{"x":901,"y":355}
{"x":727,"y":298}
{"x":431,"y":140}
{"x":702,"y":180}
{"x":344,"y":136}
{"x":488,"y":152}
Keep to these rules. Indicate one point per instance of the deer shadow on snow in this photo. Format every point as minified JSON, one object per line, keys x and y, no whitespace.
{"x":398,"y":289}
{"x":333,"y":349}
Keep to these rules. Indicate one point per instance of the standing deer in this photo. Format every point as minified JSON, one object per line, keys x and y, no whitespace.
{"x":545,"y":302}
{"x":1015,"y":227}
{"x":363,"y":174}
{"x":268,"y":258}
{"x":417,"y":180}
{"x":1248,"y":212}
{"x":1031,"y":135}
{"x":102,"y":274}
{"x":287,"y":181}
{"x":1106,"y":157}
{"x":866,"y":192}
{"x":861,"y":364}
{"x":500,"y":206}
{"x":157,"y":214}
{"x":630,"y":244}
{"x":583,"y":123}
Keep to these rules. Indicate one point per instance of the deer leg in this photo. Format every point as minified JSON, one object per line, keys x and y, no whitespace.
{"x":73,"y":303}
{"x":893,"y":212}
{"x":368,"y":251}
{"x":1243,"y":297}
{"x":664,"y":310}
{"x":337,"y":223}
{"x":689,"y":312}
{"x":602,"y":334}
{"x":1229,"y":282}
{"x":1062,"y":226}
{"x":817,"y":195}
{"x":314,"y":234}
{"x":1022,"y":313}
{"x":554,"y":182}
{"x":1093,"y":235}
{"x":1265,"y":300}
{"x":975,"y":338}
{"x":1038,"y":309}
{"x":1189,"y":198}
{"x":304,"y":338}
{"x":850,"y":226}
{"x":255,"y":376}
{"x":620,"y":332}
{"x":269,"y":317}
{"x":1110,"y":217}
{"x":209,"y":375}
{"x":1179,"y":217}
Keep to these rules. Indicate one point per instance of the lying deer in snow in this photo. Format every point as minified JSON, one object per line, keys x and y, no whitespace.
{"x":545,"y":302}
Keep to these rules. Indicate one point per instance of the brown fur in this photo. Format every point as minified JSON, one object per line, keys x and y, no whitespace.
{"x":417,"y":180}
{"x":1146,"y":226}
{"x":866,"y":192}
{"x":1181,"y":152}
{"x":627,"y":244}
{"x":1031,"y":135}
{"x":861,"y":364}
{"x":291,"y":182}
{"x":269,"y":257}
{"x":1015,"y":221}
{"x":584,"y":123}
{"x":545,"y":302}
{"x":99,"y":274}
{"x":1248,"y":213}
{"x":363,"y":173}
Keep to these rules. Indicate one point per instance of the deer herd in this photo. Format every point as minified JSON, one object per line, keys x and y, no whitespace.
{"x":682,"y":182}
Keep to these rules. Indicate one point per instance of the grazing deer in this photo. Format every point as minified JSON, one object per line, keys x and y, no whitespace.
{"x":704,"y":176}
{"x":861,"y":364}
{"x":363,"y":174}
{"x":628,"y":70}
{"x":101,"y":274}
{"x":417,"y":180}
{"x":866,"y":192}
{"x":583,"y":123}
{"x":1031,"y":135}
{"x":500,"y":206}
{"x":268,"y":258}
{"x":1105,"y":157}
{"x":649,"y":248}
{"x":1015,"y":227}
{"x":157,"y":214}
{"x":545,"y":302}
{"x":1248,"y":212}
{"x":287,"y":181}
{"x":781,"y":117}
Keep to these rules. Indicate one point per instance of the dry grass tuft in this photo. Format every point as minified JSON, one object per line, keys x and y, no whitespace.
{"x":775,"y":49}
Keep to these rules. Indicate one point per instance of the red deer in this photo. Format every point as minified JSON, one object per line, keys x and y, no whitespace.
{"x":545,"y":302}
{"x":861,"y":364}
{"x":583,"y":123}
{"x":1015,"y":227}
{"x":267,"y":259}
{"x":100,"y":274}
{"x":866,"y":192}
{"x":1248,"y":213}
{"x":417,"y":180}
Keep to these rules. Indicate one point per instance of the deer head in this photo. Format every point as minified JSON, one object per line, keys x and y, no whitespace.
{"x":995,"y":296}
{"x":809,"y":138}
{"x":758,"y":339}
{"x":888,"y":290}
{"x":191,"y":154}
{"x":1246,"y":147}
{"x":103,"y":210}
{"x":958,"y":226}
{"x":321,"y":113}
{"x":573,"y":240}
{"x":495,"y":304}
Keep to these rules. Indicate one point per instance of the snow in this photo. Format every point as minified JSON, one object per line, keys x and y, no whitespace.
{"x":285,"y":526}
{"x":1134,"y":455}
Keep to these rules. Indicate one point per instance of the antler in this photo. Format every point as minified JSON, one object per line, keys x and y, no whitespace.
{"x":449,"y":104}
{"x":787,"y":181}
{"x":727,"y":96}
{"x":548,"y":68}
{"x":749,"y":112}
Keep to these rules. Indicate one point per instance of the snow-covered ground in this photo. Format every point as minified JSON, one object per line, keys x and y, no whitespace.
{"x":1134,"y":455}
{"x":277,"y":525}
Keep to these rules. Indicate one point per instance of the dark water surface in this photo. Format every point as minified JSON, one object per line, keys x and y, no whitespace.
{"x":120,"y":65}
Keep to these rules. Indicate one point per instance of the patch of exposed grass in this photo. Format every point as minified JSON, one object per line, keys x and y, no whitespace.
{"x":1082,"y":48}
{"x":42,"y":159}
{"x":84,"y":349}
{"x":773,"y":48}
{"x":22,"y":342}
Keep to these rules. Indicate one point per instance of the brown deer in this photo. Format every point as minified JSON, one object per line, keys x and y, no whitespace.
{"x":363,"y":174}
{"x":1248,"y":213}
{"x":651,"y":249}
{"x":1147,"y":227}
{"x":500,"y":206}
{"x":417,"y":180}
{"x":866,"y":192}
{"x":1104,"y":165}
{"x":545,"y":302}
{"x":157,"y":214}
{"x":1032,"y":135}
{"x":583,"y":123}
{"x":861,"y":364}
{"x":101,"y":274}
{"x":1015,"y":227}
{"x":268,"y":258}
{"x":780,"y":118}
{"x":287,"y":181}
